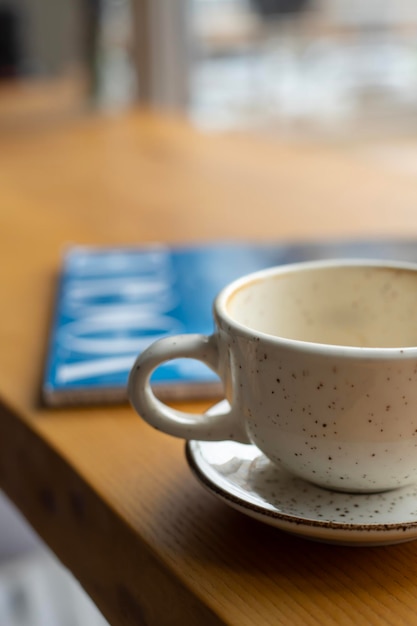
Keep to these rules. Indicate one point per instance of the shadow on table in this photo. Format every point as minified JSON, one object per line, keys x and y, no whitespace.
{"x":265,"y":554}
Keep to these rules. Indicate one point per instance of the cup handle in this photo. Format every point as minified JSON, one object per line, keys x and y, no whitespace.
{"x":205,"y":427}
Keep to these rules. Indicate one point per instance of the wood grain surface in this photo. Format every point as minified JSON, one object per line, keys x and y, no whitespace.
{"x":113,"y":498}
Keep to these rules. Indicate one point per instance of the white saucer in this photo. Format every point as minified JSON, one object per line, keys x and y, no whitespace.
{"x":242,"y":476}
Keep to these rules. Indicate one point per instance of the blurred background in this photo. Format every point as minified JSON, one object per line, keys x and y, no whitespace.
{"x":35,"y":589}
{"x":322,"y":68}
{"x":343,"y":71}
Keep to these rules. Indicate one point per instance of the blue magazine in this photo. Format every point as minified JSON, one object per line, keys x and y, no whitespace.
{"x":113,"y":302}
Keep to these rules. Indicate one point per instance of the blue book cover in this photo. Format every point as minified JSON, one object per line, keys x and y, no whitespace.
{"x":113,"y":302}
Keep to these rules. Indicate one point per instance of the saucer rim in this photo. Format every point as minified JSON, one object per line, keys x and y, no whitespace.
{"x":287,"y":517}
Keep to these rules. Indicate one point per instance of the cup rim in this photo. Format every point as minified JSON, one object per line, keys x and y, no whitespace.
{"x":224,"y":319}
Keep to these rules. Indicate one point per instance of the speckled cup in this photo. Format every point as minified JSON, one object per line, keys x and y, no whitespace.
{"x":319,"y":365}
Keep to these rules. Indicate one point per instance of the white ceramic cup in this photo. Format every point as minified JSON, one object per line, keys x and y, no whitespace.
{"x":319,"y":365}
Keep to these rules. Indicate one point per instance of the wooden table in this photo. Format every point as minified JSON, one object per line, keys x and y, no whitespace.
{"x":113,"y":498}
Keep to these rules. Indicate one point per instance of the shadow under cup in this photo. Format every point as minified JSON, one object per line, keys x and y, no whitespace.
{"x":353,"y":305}
{"x":329,"y":389}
